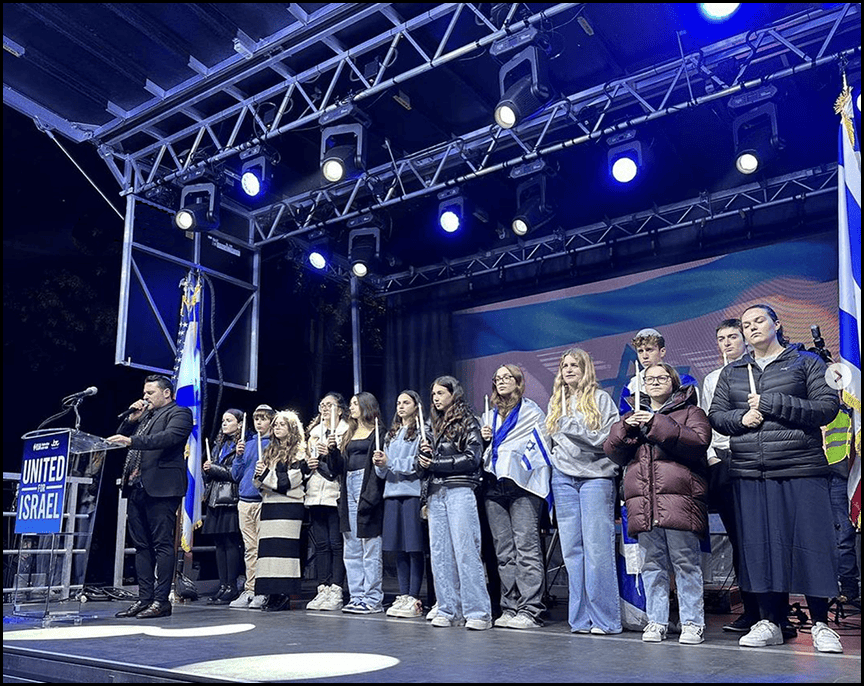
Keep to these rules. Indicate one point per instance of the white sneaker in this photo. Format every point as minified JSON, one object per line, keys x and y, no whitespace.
{"x":433,"y":613}
{"x":242,"y":601}
{"x":691,"y":634}
{"x":333,"y":600}
{"x":257,"y":602}
{"x":597,"y":631}
{"x":504,"y":620}
{"x":412,"y":607}
{"x":393,"y":610}
{"x":315,"y":603}
{"x":522,"y":621}
{"x":763,"y":633}
{"x":478,"y":624}
{"x":442,"y":621}
{"x":825,"y":639}
{"x":653,"y":633}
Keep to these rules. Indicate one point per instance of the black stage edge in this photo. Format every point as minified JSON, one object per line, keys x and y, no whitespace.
{"x":201,"y":643}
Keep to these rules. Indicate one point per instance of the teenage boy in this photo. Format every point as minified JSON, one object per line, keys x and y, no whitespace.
{"x":249,"y":507}
{"x":650,"y":349}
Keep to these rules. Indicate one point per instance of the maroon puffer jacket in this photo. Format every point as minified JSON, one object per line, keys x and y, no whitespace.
{"x":665,"y":482}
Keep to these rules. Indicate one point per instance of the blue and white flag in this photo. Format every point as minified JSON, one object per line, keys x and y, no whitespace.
{"x":519,"y":449}
{"x":849,"y":256}
{"x":187,"y":375}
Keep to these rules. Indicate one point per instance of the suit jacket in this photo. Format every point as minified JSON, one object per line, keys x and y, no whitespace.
{"x":163,"y":463}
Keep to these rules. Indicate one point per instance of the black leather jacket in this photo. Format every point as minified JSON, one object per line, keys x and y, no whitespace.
{"x":457,"y":456}
{"x":795,"y":401}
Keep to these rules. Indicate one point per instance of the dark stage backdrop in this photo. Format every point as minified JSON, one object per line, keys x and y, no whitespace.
{"x":685,"y":303}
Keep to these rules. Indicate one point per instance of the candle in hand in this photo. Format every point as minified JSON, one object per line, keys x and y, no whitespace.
{"x":487,"y":408}
{"x":377,"y":437}
{"x":422,"y":425}
{"x":207,"y":445}
{"x":638,"y":398}
{"x":725,"y":359}
{"x":333,"y":417}
{"x":259,"y":444}
{"x":564,"y":408}
{"x":752,"y":380}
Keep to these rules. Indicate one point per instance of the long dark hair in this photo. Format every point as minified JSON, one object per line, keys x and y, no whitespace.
{"x":457,"y":417}
{"x":369,"y":411}
{"x":396,"y":424}
{"x":504,"y":406}
{"x":224,"y":439}
{"x":340,"y":403}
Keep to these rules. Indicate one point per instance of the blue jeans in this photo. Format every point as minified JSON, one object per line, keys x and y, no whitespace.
{"x":364,"y":565}
{"x":584,"y":510}
{"x":515,"y":526}
{"x":847,"y":560}
{"x":454,"y":547}
{"x":665,"y":548}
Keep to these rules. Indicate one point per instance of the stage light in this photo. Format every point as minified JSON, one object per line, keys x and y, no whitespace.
{"x":364,"y":247}
{"x":718,"y":11}
{"x":318,"y":249}
{"x":451,"y":210}
{"x":533,"y":210}
{"x":199,"y":207}
{"x":343,"y":151}
{"x":624,"y":157}
{"x":755,"y":137}
{"x":523,"y":83}
{"x":254,"y":176}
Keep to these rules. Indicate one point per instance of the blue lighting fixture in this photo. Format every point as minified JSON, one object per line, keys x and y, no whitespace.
{"x":256,"y":170}
{"x":624,"y":157}
{"x":343,"y":152}
{"x":451,"y":210}
{"x":718,"y":11}
{"x":318,"y":251}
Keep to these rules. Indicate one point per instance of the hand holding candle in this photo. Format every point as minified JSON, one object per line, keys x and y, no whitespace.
{"x":333,"y":417}
{"x":243,"y":430}
{"x":377,"y":437}
{"x":638,"y":394}
{"x":752,"y":380}
{"x":486,"y":412}
{"x":422,"y":424}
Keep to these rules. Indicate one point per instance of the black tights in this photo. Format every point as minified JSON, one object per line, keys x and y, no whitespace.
{"x":228,"y":557}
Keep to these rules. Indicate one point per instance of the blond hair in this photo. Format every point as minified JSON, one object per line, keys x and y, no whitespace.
{"x":585,"y":400}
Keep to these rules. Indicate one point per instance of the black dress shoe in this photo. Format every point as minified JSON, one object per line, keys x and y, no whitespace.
{"x":134,"y":609}
{"x":218,"y":595}
{"x":277,"y":602}
{"x":158,"y":608}
{"x":229,"y":596}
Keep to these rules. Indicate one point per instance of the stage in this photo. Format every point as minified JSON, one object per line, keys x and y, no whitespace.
{"x":201,"y":643}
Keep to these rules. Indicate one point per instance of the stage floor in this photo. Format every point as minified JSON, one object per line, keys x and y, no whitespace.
{"x":205,"y":643}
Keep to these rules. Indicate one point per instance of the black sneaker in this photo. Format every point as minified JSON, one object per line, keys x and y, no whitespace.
{"x":741,"y":625}
{"x":789,"y":632}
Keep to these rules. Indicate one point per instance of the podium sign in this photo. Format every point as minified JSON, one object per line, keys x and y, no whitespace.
{"x":43,"y":484}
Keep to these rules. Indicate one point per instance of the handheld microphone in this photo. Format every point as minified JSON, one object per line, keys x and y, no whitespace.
{"x":92,"y":390}
{"x":133,"y":410}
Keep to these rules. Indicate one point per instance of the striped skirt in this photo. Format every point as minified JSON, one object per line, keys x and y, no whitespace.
{"x":278,"y":570}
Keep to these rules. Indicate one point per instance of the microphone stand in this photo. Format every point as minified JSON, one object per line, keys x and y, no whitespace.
{"x":67,"y":407}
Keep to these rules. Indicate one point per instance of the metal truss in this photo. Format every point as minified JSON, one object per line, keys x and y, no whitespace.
{"x":789,"y":47}
{"x":741,"y":202}
{"x":180,"y":152}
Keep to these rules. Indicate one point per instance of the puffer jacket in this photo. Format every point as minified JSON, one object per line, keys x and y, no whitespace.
{"x":666,"y":477}
{"x":795,"y":402}
{"x":457,"y":456}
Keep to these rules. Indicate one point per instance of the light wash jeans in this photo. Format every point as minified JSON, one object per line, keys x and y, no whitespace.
{"x":364,"y":565}
{"x":515,"y":526}
{"x":584,"y":509}
{"x":454,"y":547}
{"x":665,"y":548}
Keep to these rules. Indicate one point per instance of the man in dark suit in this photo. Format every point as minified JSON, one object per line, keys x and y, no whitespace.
{"x":154,"y":482}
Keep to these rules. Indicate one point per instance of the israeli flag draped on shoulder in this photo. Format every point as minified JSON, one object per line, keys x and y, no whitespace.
{"x":520,"y":448}
{"x":187,"y":375}
{"x":849,"y":277}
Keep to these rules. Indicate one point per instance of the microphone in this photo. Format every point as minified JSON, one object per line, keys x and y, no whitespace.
{"x":92,"y":390}
{"x":132,"y":410}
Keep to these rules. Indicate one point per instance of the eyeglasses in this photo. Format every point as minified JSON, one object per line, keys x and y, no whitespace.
{"x":325,"y":406}
{"x":504,"y":378}
{"x":652,"y":380}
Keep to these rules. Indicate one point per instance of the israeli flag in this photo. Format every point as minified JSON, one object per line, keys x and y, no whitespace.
{"x":849,"y":255}
{"x":188,"y":383}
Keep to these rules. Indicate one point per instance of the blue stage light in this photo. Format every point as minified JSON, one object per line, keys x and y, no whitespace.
{"x":718,"y":11}
{"x":318,"y":260}
{"x":450,"y":220}
{"x":250,"y":183}
{"x":625,"y":169}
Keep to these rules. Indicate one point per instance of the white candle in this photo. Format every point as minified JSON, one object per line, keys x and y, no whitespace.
{"x":486,"y":413}
{"x":259,"y":444}
{"x":638,"y":389}
{"x":333,"y":418}
{"x":725,"y":359}
{"x":422,"y":425}
{"x":752,"y":381}
{"x":564,"y":407}
{"x":377,"y":437}
{"x":207,"y":445}
{"x":243,"y":430}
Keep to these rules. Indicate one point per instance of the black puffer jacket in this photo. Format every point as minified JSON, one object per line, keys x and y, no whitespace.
{"x":795,"y":402}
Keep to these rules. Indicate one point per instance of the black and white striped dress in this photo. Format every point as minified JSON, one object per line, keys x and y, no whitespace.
{"x":282,"y":511}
